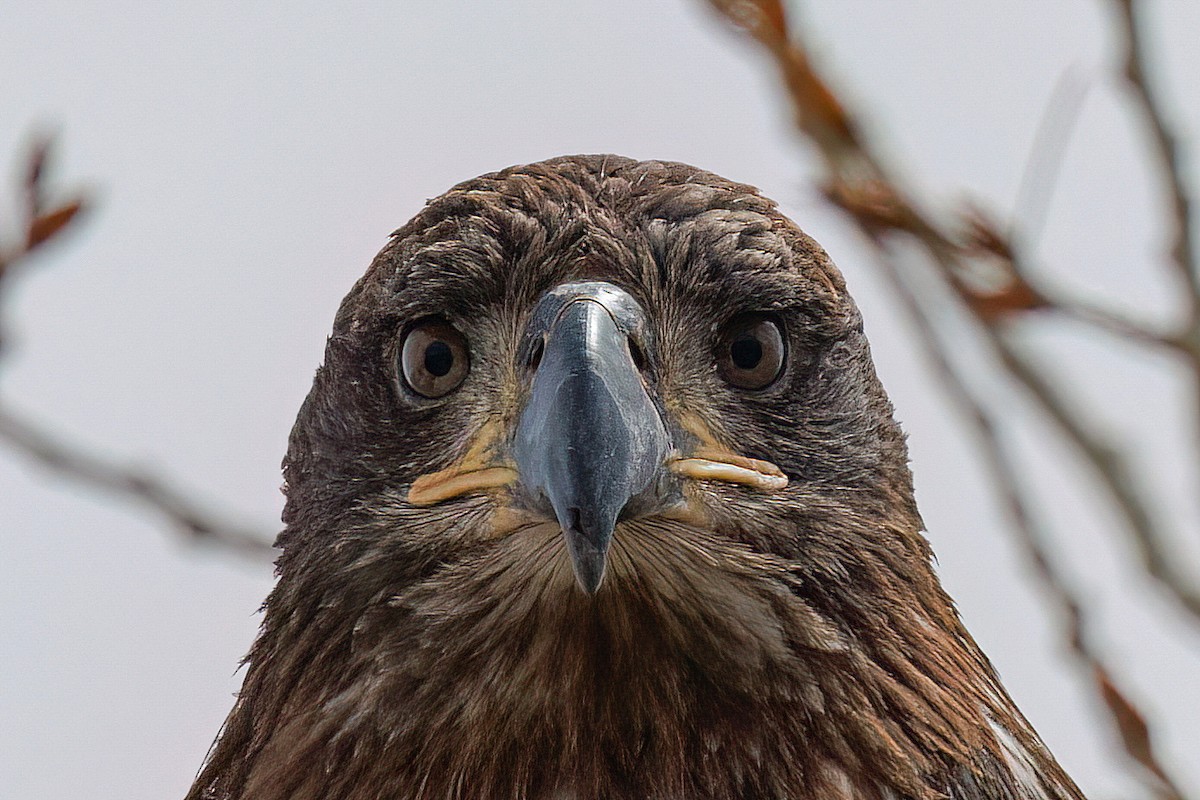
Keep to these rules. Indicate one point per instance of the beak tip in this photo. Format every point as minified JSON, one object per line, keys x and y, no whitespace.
{"x":590,"y":582}
{"x":588,"y":559}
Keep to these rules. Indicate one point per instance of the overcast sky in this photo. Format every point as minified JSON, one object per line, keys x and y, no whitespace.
{"x":249,"y":158}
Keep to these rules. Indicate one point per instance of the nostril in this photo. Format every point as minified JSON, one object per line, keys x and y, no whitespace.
{"x":535,"y":355}
{"x":635,"y":352}
{"x":587,"y":530}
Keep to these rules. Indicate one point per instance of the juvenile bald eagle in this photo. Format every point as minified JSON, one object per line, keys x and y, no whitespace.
{"x":597,"y":496}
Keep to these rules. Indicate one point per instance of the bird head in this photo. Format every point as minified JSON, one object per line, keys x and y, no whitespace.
{"x":597,"y":494}
{"x":606,"y":351}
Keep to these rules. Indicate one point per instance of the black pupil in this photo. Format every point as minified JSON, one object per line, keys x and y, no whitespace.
{"x":746,"y":351}
{"x":439,"y":358}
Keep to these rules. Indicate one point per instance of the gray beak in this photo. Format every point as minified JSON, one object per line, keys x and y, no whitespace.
{"x":589,"y":439}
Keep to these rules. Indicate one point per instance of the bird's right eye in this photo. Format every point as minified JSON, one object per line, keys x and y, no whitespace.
{"x":434,"y":358}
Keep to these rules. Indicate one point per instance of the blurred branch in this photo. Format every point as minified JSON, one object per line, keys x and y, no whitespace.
{"x":981,"y":265}
{"x":185,"y":515}
{"x":42,"y":223}
{"x":1166,"y":146}
{"x":1036,"y":187}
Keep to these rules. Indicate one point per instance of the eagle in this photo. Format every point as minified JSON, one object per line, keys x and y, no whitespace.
{"x":597,"y":496}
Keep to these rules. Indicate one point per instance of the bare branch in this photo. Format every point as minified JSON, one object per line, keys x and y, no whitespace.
{"x":1111,"y":466}
{"x":1166,"y":147}
{"x":1050,"y":141}
{"x":42,"y":224}
{"x":1117,"y":325}
{"x":184,"y":514}
{"x":39,"y":225}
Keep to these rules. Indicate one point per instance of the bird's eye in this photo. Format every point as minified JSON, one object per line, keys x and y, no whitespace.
{"x":434,"y":358}
{"x":751,"y":351}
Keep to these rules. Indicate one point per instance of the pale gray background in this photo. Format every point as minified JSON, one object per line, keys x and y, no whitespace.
{"x":251,"y":157}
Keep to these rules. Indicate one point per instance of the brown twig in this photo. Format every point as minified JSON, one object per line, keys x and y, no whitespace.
{"x":1116,"y":324}
{"x":43,"y":223}
{"x":1166,"y":150}
{"x":1111,"y":467}
{"x":1109,"y":463}
{"x":184,"y":514}
{"x":1165,"y":147}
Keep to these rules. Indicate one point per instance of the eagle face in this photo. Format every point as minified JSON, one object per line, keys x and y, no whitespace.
{"x":597,"y":495}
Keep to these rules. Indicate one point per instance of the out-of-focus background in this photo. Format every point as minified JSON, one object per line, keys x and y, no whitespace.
{"x":249,"y":158}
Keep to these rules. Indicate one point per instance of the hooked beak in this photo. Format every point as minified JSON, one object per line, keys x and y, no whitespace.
{"x":589,"y":439}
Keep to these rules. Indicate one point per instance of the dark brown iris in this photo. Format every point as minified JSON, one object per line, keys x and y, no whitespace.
{"x":751,"y":351}
{"x":434,"y":358}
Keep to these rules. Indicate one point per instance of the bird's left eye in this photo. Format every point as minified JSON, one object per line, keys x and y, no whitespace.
{"x":751,"y":351}
{"x":434,"y":358}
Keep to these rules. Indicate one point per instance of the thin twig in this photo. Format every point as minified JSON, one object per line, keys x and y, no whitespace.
{"x":41,"y":224}
{"x":184,"y":514}
{"x":1117,"y":325}
{"x":1042,"y":168}
{"x":1110,"y":465}
{"x":1166,"y":147}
